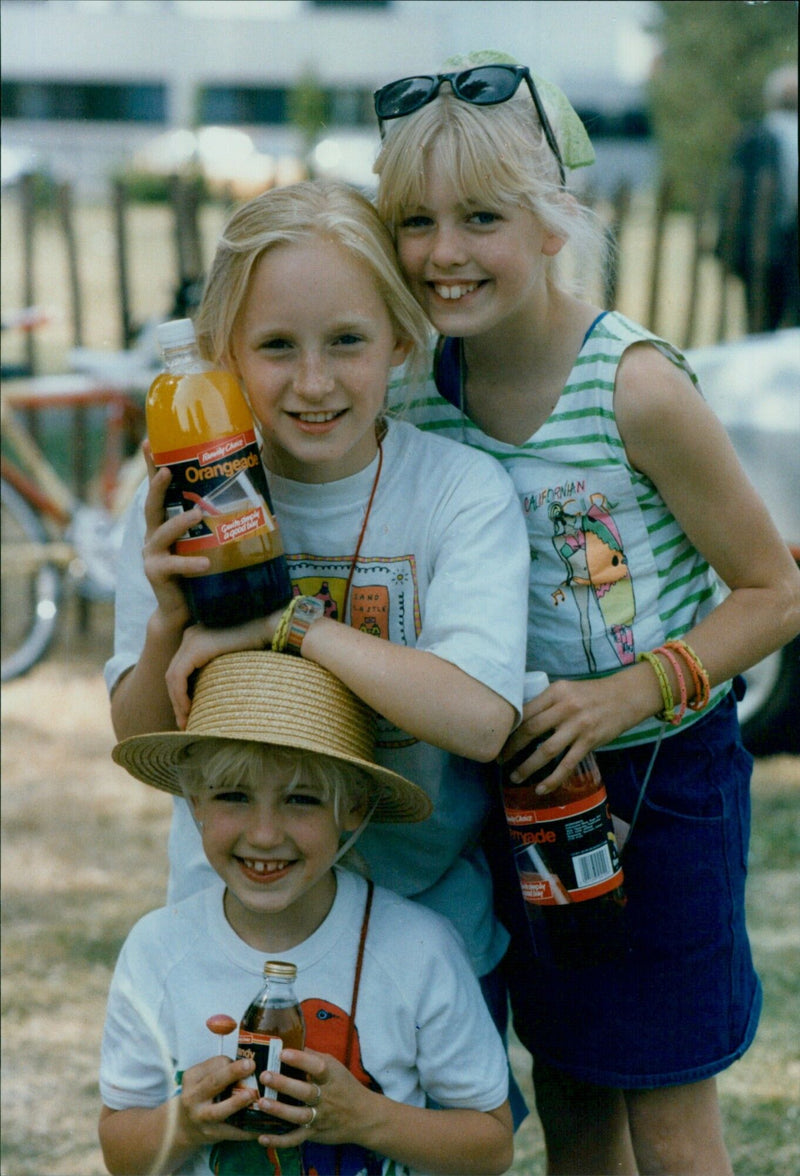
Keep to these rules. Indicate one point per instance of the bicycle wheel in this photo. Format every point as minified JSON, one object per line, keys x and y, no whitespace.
{"x":31,"y":591}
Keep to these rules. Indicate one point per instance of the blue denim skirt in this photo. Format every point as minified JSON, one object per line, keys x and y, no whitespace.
{"x":681,"y":1000}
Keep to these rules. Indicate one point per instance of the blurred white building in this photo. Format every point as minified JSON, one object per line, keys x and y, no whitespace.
{"x":88,"y":83}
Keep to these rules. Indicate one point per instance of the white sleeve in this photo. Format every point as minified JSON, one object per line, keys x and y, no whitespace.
{"x":136,"y":1067}
{"x":134,"y":599}
{"x":460,"y":1057}
{"x":476,"y":606}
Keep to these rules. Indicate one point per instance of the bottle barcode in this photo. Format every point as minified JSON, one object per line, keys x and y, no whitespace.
{"x":592,"y":866}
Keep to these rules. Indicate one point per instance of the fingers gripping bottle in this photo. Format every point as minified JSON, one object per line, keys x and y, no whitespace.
{"x":567,"y":860}
{"x":273,"y":1020}
{"x":199,"y":425}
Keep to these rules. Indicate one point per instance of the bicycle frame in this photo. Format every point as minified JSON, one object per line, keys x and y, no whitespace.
{"x":45,"y":522}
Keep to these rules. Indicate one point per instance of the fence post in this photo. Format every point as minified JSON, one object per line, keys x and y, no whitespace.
{"x":27,"y":192}
{"x":620,"y":209}
{"x":65,"y":208}
{"x":663,"y":201}
{"x":698,"y":225}
{"x":185,"y":196}
{"x":119,"y":200}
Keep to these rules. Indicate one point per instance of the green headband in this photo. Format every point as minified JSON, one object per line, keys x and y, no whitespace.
{"x":573,"y":141}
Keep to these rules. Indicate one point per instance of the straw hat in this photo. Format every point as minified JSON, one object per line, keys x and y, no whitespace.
{"x":284,"y":701}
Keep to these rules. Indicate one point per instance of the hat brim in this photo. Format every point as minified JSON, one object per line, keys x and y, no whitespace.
{"x":155,"y":759}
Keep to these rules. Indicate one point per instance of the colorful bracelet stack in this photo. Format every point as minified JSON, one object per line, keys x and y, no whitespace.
{"x":282,"y":631}
{"x":697,"y":672}
{"x":295,"y":622}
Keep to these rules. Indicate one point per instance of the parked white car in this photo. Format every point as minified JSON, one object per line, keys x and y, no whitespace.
{"x":753,"y":384}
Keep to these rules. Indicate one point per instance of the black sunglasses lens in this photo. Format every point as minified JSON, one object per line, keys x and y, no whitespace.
{"x":402,"y":97}
{"x":486,"y":85}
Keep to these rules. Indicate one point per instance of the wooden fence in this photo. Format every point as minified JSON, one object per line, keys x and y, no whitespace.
{"x":667,"y":275}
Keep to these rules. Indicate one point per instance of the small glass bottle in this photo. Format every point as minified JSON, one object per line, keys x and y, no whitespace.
{"x":272,"y":1021}
{"x":199,"y":424}
{"x":567,"y":861}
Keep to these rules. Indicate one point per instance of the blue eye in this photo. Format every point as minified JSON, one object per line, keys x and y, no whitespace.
{"x":484,"y":218}
{"x":349,"y":340}
{"x":231,"y":797}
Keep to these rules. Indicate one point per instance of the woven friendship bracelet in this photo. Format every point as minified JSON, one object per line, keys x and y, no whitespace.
{"x":282,"y":632}
{"x":667,"y":713}
{"x":698,"y":672}
{"x":676,"y":665}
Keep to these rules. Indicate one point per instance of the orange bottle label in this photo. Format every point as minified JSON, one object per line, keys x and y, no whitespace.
{"x":200,"y":426}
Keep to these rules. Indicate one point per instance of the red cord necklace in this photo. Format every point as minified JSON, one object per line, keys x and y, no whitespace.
{"x":363,"y":528}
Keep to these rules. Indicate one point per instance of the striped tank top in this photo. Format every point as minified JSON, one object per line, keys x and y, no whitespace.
{"x":612,"y":572}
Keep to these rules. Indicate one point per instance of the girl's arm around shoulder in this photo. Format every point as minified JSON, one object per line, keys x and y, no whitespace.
{"x":460,"y":687}
{"x":672,"y":436}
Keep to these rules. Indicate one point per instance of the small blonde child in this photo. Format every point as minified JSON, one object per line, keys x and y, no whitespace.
{"x":635,"y":504}
{"x":277,"y":764}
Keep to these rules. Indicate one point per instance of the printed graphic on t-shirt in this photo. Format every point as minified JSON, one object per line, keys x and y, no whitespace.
{"x":598,"y":580}
{"x":383,"y":601}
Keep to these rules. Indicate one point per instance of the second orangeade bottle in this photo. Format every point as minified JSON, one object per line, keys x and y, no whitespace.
{"x":199,"y":424}
{"x":567,"y":861}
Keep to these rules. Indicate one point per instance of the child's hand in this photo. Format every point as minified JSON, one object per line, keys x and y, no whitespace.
{"x":203,"y":1118}
{"x":162,"y":567}
{"x":336,"y":1106}
{"x":200,"y":644}
{"x":571,"y":719}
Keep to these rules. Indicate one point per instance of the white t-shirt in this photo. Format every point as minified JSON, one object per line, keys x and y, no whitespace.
{"x":422,"y":1027}
{"x":443,"y":567}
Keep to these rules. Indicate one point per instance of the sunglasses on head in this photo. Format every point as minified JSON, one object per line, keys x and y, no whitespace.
{"x":483,"y":85}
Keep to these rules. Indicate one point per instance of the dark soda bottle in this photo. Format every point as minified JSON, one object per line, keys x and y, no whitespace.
{"x":199,"y":424}
{"x":273,"y":1020}
{"x":568,"y":865}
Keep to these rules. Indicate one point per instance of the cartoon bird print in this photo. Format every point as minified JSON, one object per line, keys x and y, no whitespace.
{"x":326,"y":1031}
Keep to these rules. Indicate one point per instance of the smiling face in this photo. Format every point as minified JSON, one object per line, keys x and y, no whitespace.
{"x":313,"y":346}
{"x":473,"y":267}
{"x":272,"y":837}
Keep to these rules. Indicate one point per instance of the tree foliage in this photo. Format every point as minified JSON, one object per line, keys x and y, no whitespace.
{"x":708,"y":81}
{"x":307,"y":107}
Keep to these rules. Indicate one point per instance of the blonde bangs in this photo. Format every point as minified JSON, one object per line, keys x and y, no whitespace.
{"x":495,"y":155}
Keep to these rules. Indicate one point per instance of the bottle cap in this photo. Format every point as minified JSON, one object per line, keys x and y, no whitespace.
{"x":279,"y":968}
{"x":536,"y":682}
{"x":176,"y":333}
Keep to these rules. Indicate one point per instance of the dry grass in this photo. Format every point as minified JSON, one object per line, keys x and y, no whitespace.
{"x":84,"y":856}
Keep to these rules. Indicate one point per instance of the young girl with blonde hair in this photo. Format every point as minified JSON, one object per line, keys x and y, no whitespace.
{"x":635,"y":505}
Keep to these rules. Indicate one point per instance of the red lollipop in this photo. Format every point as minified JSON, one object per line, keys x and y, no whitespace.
{"x":222,"y":1025}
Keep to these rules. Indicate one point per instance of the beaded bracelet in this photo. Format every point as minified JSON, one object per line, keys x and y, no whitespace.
{"x":282,"y":632}
{"x":699,"y":674}
{"x":667,"y":713}
{"x":676,"y":665}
